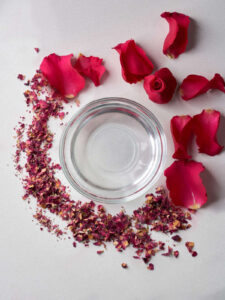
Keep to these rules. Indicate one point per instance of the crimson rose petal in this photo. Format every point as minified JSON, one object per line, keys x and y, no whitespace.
{"x":160,"y":86}
{"x":181,"y":129}
{"x":217,"y":83}
{"x":61,"y":75}
{"x":205,"y":126}
{"x":177,"y":38}
{"x":91,"y":67}
{"x":134,"y":61}
{"x":194,"y":85}
{"x":185,"y":185}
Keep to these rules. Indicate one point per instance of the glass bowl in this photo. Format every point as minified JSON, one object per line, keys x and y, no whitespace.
{"x":113,"y":150}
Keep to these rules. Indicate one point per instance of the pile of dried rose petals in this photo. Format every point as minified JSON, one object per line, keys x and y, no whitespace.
{"x":61,"y":78}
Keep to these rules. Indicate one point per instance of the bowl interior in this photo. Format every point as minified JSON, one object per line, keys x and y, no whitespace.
{"x":112,"y":150}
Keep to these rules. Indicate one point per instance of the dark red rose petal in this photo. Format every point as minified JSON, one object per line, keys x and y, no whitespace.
{"x":205,"y":126}
{"x":160,"y":86}
{"x":194,"y":85}
{"x":90,"y":67}
{"x":177,"y":38}
{"x":181,"y":129}
{"x":61,"y":75}
{"x":185,"y":185}
{"x":134,"y":61}
{"x":217,"y":83}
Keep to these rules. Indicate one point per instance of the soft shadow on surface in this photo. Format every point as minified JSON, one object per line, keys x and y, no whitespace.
{"x":212,"y":188}
{"x":221,"y":131}
{"x":192,"y":34}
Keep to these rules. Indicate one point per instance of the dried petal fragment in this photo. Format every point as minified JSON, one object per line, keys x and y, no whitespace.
{"x":205,"y":126}
{"x":169,"y":252}
{"x":90,"y":67}
{"x":176,"y":253}
{"x":181,"y":129}
{"x":177,"y":238}
{"x":37,"y":50}
{"x":177,"y":38}
{"x":100,"y":252}
{"x":21,"y":76}
{"x":194,"y":85}
{"x":134,"y":61}
{"x":61,"y":75}
{"x":124,"y":265}
{"x":185,"y":185}
{"x":194,"y":253}
{"x":151,"y":267}
{"x":160,"y":86}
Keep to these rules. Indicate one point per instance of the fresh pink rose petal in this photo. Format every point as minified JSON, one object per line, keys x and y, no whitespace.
{"x":134,"y":61}
{"x":160,"y":86}
{"x":185,"y":185}
{"x":194,"y":85}
{"x":181,"y":129}
{"x":62,"y":75}
{"x":177,"y":38}
{"x":90,"y":67}
{"x":205,"y":126}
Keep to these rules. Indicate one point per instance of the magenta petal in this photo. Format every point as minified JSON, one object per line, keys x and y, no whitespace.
{"x":61,"y":75}
{"x":193,"y":85}
{"x":205,"y":126}
{"x":177,"y":38}
{"x":90,"y":67}
{"x":181,"y":129}
{"x":185,"y":185}
{"x":134,"y":62}
{"x":217,"y":83}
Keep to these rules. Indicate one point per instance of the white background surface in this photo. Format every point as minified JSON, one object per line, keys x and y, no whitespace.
{"x":33,"y":264}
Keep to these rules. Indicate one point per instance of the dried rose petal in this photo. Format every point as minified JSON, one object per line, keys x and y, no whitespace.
{"x":124,"y":265}
{"x":169,"y":252}
{"x":100,"y":252}
{"x":21,"y":76}
{"x":177,"y":38}
{"x":194,"y":253}
{"x":194,"y":85}
{"x":90,"y":67}
{"x":61,"y":75}
{"x":176,"y":253}
{"x":37,"y":50}
{"x":160,"y":86}
{"x":177,"y":238}
{"x":181,"y":129}
{"x":205,"y":126}
{"x":151,"y":267}
{"x":185,"y":185}
{"x":134,"y":61}
{"x":190,"y":246}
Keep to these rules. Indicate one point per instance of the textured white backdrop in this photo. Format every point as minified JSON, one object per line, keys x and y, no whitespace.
{"x":33,"y":264}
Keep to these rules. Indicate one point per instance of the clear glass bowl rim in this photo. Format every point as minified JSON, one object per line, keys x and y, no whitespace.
{"x":107,"y":101}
